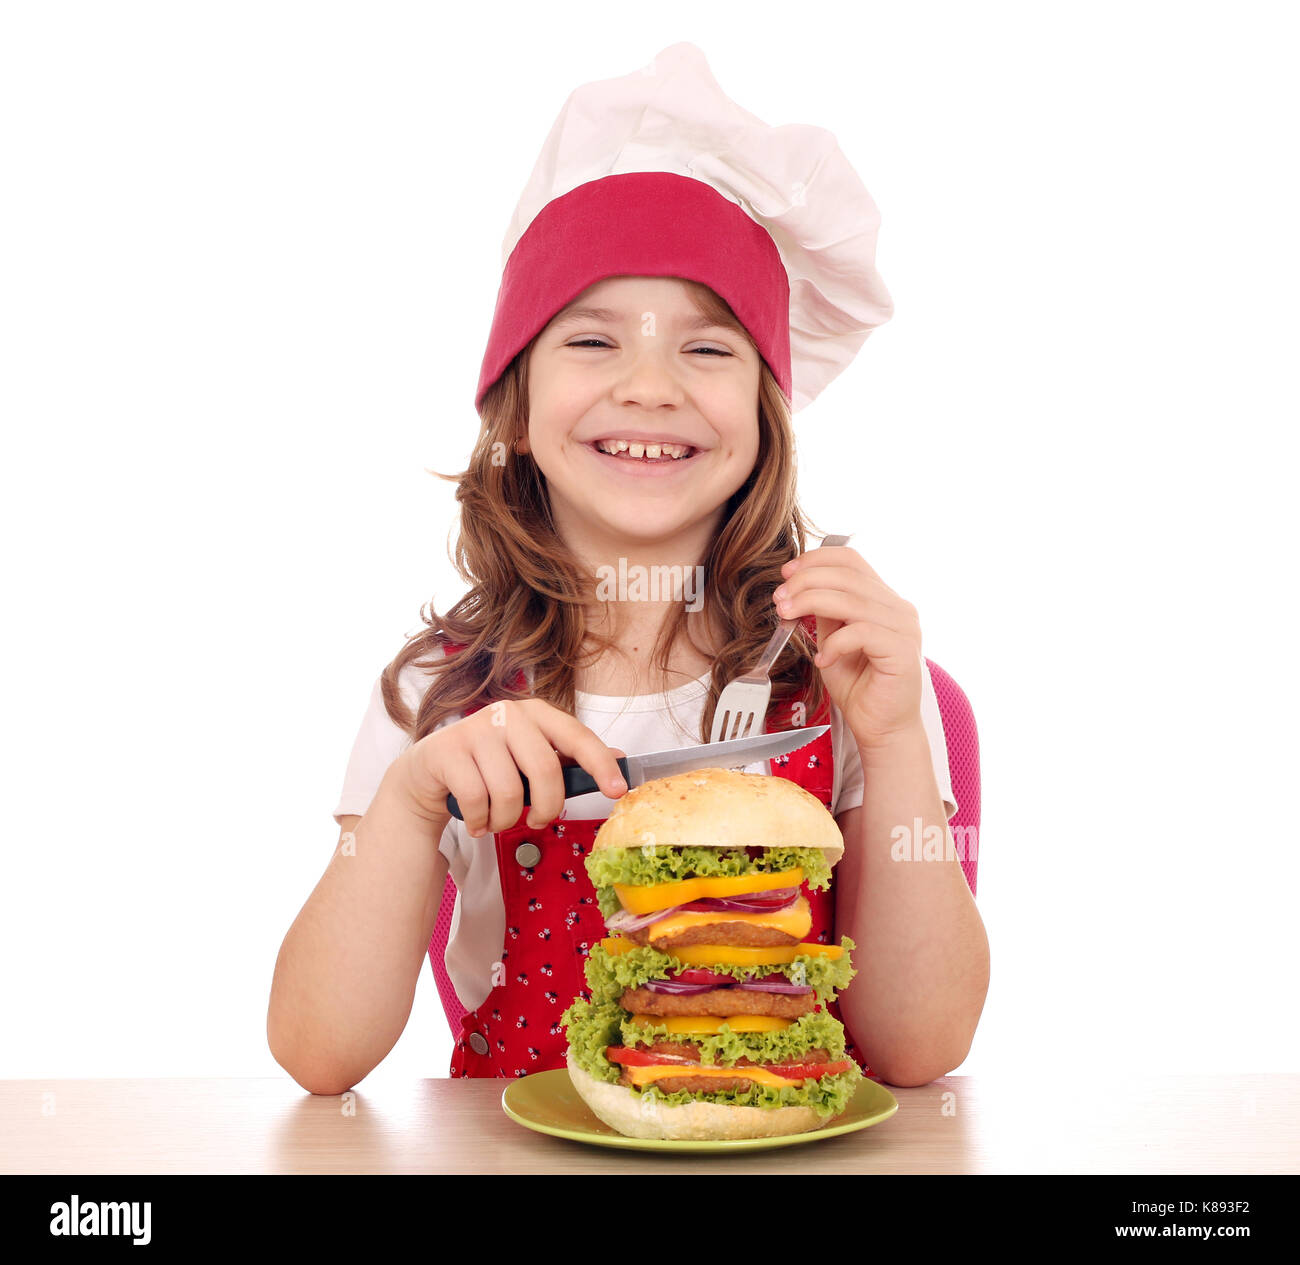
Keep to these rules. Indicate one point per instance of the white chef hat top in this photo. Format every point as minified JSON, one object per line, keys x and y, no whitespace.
{"x":793,"y":180}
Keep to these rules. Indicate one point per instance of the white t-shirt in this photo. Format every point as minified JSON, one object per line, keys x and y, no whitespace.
{"x":651,"y":722}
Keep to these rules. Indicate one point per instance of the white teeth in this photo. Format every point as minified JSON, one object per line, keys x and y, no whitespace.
{"x":653,"y":452}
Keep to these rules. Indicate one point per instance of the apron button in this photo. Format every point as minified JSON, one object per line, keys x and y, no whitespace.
{"x":528,"y":854}
{"x":478,"y":1043}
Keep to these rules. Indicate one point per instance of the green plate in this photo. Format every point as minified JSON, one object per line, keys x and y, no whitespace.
{"x":547,"y":1102}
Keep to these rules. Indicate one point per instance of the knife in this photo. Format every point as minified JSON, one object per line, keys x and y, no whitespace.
{"x":637,"y":769}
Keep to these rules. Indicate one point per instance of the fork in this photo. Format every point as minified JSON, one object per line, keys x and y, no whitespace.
{"x":745,"y":699}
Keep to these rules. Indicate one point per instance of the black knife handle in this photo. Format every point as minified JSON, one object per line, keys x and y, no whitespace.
{"x":577,"y":781}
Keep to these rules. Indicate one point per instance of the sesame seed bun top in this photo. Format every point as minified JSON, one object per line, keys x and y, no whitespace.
{"x":720,"y":808}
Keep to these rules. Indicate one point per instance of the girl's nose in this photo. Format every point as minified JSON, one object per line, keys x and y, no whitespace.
{"x":648,"y":383}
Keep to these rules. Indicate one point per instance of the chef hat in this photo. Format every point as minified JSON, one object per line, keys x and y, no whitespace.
{"x":658,"y":173}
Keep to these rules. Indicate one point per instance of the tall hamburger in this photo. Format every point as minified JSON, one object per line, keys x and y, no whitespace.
{"x":707,"y":1017}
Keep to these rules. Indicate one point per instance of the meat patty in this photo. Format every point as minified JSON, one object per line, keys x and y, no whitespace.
{"x":697,"y":1084}
{"x":688,"y":1050}
{"x":720,"y":1001}
{"x":743,"y":934}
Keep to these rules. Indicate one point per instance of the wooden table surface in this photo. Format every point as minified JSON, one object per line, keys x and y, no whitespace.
{"x":1243,"y":1123}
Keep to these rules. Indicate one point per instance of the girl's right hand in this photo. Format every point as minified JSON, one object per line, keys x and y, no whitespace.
{"x":479,"y":758}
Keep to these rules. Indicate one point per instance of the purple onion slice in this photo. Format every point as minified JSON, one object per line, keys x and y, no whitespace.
{"x":677,"y":988}
{"x":775,"y":983}
{"x":625,"y":920}
{"x":752,"y":903}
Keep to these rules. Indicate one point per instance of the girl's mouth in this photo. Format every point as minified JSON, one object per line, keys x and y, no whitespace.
{"x":643,"y":458}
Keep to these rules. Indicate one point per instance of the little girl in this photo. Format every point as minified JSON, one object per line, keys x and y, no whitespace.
{"x":679,"y":276}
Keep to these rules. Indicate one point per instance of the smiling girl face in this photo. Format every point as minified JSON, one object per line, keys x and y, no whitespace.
{"x":630,"y":365}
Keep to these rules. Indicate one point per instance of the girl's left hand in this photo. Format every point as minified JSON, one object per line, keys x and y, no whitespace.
{"x":868,"y":640}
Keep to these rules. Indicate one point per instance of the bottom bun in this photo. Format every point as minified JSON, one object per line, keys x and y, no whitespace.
{"x":635,"y":1116}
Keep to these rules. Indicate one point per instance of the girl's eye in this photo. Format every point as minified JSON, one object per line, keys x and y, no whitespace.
{"x":598,"y":342}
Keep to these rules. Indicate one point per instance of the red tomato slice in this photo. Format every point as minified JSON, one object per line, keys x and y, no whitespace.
{"x":629,"y":1057}
{"x":702,"y":975}
{"x":806,"y":1071}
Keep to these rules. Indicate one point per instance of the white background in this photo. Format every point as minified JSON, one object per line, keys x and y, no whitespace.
{"x":248,"y":260}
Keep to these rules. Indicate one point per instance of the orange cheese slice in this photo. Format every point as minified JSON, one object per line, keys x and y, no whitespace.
{"x":647,"y":899}
{"x":731,"y":954}
{"x":795,"y":921}
{"x":699,"y":1024}
{"x":646,"y":1075}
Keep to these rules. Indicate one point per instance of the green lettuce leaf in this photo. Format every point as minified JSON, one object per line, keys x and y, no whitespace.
{"x":646,"y":866}
{"x":783,"y":1046}
{"x":590,"y":1028}
{"x":609,"y":974}
{"x":827,"y":1096}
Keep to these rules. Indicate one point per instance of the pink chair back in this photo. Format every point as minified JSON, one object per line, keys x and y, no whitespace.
{"x":963,"y":768}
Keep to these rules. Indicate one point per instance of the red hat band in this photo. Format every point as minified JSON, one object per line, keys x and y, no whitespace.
{"x":642,"y":224}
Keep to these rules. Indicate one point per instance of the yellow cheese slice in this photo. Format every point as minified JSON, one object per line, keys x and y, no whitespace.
{"x":713,"y":1023}
{"x":795,"y":921}
{"x":648,"y":898}
{"x":645,"y":1075}
{"x":731,"y":954}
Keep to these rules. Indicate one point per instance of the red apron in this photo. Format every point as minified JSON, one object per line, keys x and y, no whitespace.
{"x":553,"y":919}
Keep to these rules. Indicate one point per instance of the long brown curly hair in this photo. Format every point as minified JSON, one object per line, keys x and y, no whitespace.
{"x":528,"y":597}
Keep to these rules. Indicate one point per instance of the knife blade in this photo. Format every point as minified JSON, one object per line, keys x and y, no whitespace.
{"x":638,"y":769}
